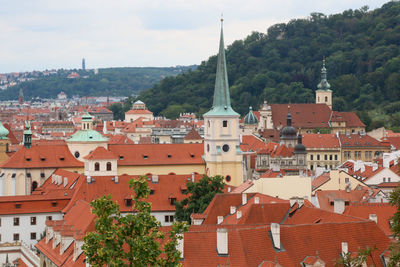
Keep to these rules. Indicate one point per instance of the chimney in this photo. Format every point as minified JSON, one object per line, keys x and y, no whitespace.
{"x":229,"y":189}
{"x":65,"y":181}
{"x":292,"y":201}
{"x":338,"y":206}
{"x":256,"y":200}
{"x":180,"y":244}
{"x":233,"y":209}
{"x":116,"y":179}
{"x":345,"y":248}
{"x":154,"y":179}
{"x":276,"y":235}
{"x":88,"y":179}
{"x":238,"y":214}
{"x":386,"y":160}
{"x":300,"y":201}
{"x":220,"y":219}
{"x":222,"y":241}
{"x":244,"y":199}
{"x":373,"y":217}
{"x":193,"y":177}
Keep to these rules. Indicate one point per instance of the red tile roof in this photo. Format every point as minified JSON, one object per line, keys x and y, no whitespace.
{"x":320,"y":180}
{"x":384,"y":212}
{"x":351,"y":118}
{"x":193,"y":135}
{"x":321,"y":141}
{"x":42,"y":156}
{"x":139,"y":111}
{"x":159,"y":154}
{"x":252,"y":143}
{"x":358,"y":140}
{"x":120,"y":139}
{"x":394,"y":141}
{"x":303,"y":115}
{"x":272,"y":135}
{"x":100,"y":153}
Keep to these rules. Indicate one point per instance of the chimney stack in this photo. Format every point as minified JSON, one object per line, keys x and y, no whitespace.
{"x":180,"y":244}
{"x":88,"y":179}
{"x":345,"y":248}
{"x":116,"y":179}
{"x":276,"y":235}
{"x":233,"y":210}
{"x":373,"y":217}
{"x":244,"y":199}
{"x":238,"y":214}
{"x":65,"y":181}
{"x":222,"y":241}
{"x":154,"y":179}
{"x":256,"y":200}
{"x":338,"y":206}
{"x":220,"y":219}
{"x":193,"y":177}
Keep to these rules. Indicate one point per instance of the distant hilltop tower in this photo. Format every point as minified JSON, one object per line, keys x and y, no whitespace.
{"x":83,"y":64}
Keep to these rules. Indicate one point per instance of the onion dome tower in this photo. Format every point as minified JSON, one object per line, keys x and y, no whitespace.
{"x":324,"y":93}
{"x":288,"y":133}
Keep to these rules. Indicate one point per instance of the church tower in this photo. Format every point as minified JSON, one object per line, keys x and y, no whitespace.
{"x":221,"y":139}
{"x":324,"y":93}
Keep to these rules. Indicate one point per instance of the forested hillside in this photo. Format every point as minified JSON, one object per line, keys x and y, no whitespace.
{"x":361,"y":49}
{"x":108,"y":81}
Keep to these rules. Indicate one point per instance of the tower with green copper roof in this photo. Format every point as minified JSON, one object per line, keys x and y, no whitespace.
{"x":82,"y":142}
{"x":221,"y":139}
{"x":323,"y":95}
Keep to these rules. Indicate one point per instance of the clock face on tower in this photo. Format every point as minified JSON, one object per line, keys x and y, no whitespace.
{"x":225,"y":148}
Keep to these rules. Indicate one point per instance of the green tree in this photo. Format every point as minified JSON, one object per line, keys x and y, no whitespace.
{"x":347,"y":260}
{"x":200,"y":195}
{"x":118,"y":111}
{"x":134,"y":239}
{"x":395,"y":226}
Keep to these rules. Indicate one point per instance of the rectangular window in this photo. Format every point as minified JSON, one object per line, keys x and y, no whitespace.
{"x":384,"y":179}
{"x":16,"y":237}
{"x":311,"y":157}
{"x":346,"y":180}
{"x":16,"y":221}
{"x":330,"y":157}
{"x":224,"y":123}
{"x":33,"y":236}
{"x":318,"y":157}
{"x":335,"y":157}
{"x":389,"y":180}
{"x":325,"y":157}
{"x":33,"y":220}
{"x":169,"y":218}
{"x":0,"y":221}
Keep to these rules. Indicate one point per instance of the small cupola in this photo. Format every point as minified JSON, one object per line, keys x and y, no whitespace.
{"x":250,"y":118}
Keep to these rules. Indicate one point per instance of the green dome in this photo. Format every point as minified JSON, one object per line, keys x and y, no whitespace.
{"x":250,"y":118}
{"x":3,"y":132}
{"x":87,"y":136}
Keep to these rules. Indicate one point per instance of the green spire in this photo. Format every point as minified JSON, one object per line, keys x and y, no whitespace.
{"x":323,"y":85}
{"x":27,"y":135}
{"x":3,"y":132}
{"x":221,"y":101}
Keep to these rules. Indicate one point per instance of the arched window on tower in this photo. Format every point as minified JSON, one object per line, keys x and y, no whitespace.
{"x":108,"y":166}
{"x":97,"y":166}
{"x":326,"y":99}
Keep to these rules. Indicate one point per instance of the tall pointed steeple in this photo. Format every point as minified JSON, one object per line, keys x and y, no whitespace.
{"x":222,"y":101}
{"x":323,"y":85}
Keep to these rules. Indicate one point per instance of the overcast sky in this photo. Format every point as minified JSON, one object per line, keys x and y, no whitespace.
{"x":47,"y":34}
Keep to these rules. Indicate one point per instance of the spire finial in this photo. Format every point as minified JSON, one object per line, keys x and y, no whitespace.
{"x":324,"y":85}
{"x":222,"y":18}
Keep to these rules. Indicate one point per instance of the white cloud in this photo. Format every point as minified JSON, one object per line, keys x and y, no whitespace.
{"x":58,"y":34}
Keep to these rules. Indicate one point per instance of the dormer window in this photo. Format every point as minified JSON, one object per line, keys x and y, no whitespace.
{"x":151,"y":191}
{"x":169,"y":156}
{"x":18,"y":205}
{"x":54,"y":204}
{"x":62,"y":159}
{"x":121,"y":157}
{"x":109,"y":166}
{"x":28,"y":159}
{"x":43,"y":159}
{"x":172,"y":200}
{"x":128,"y":202}
{"x":145,"y":157}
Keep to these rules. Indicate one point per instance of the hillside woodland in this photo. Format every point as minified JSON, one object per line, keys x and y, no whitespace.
{"x":282,"y":65}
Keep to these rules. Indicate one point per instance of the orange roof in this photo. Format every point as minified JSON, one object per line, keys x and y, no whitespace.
{"x":321,"y":141}
{"x":351,"y":118}
{"x":100,"y":153}
{"x":384,"y":212}
{"x":277,"y":150}
{"x":303,"y":115}
{"x":138,"y":111}
{"x":320,"y":180}
{"x":120,"y":139}
{"x":158,"y":154}
{"x":192,"y":135}
{"x":358,"y":140}
{"x":252,"y":143}
{"x":42,"y":156}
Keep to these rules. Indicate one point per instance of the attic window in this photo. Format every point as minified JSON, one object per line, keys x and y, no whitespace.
{"x":62,"y":159}
{"x":53,"y":204}
{"x":145,"y":156}
{"x":128,"y":202}
{"x":192,"y":155}
{"x":169,"y":156}
{"x":172,"y":200}
{"x":90,"y":137}
{"x":28,"y":159}
{"x":17,"y":205}
{"x":121,"y":157}
{"x":151,"y":191}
